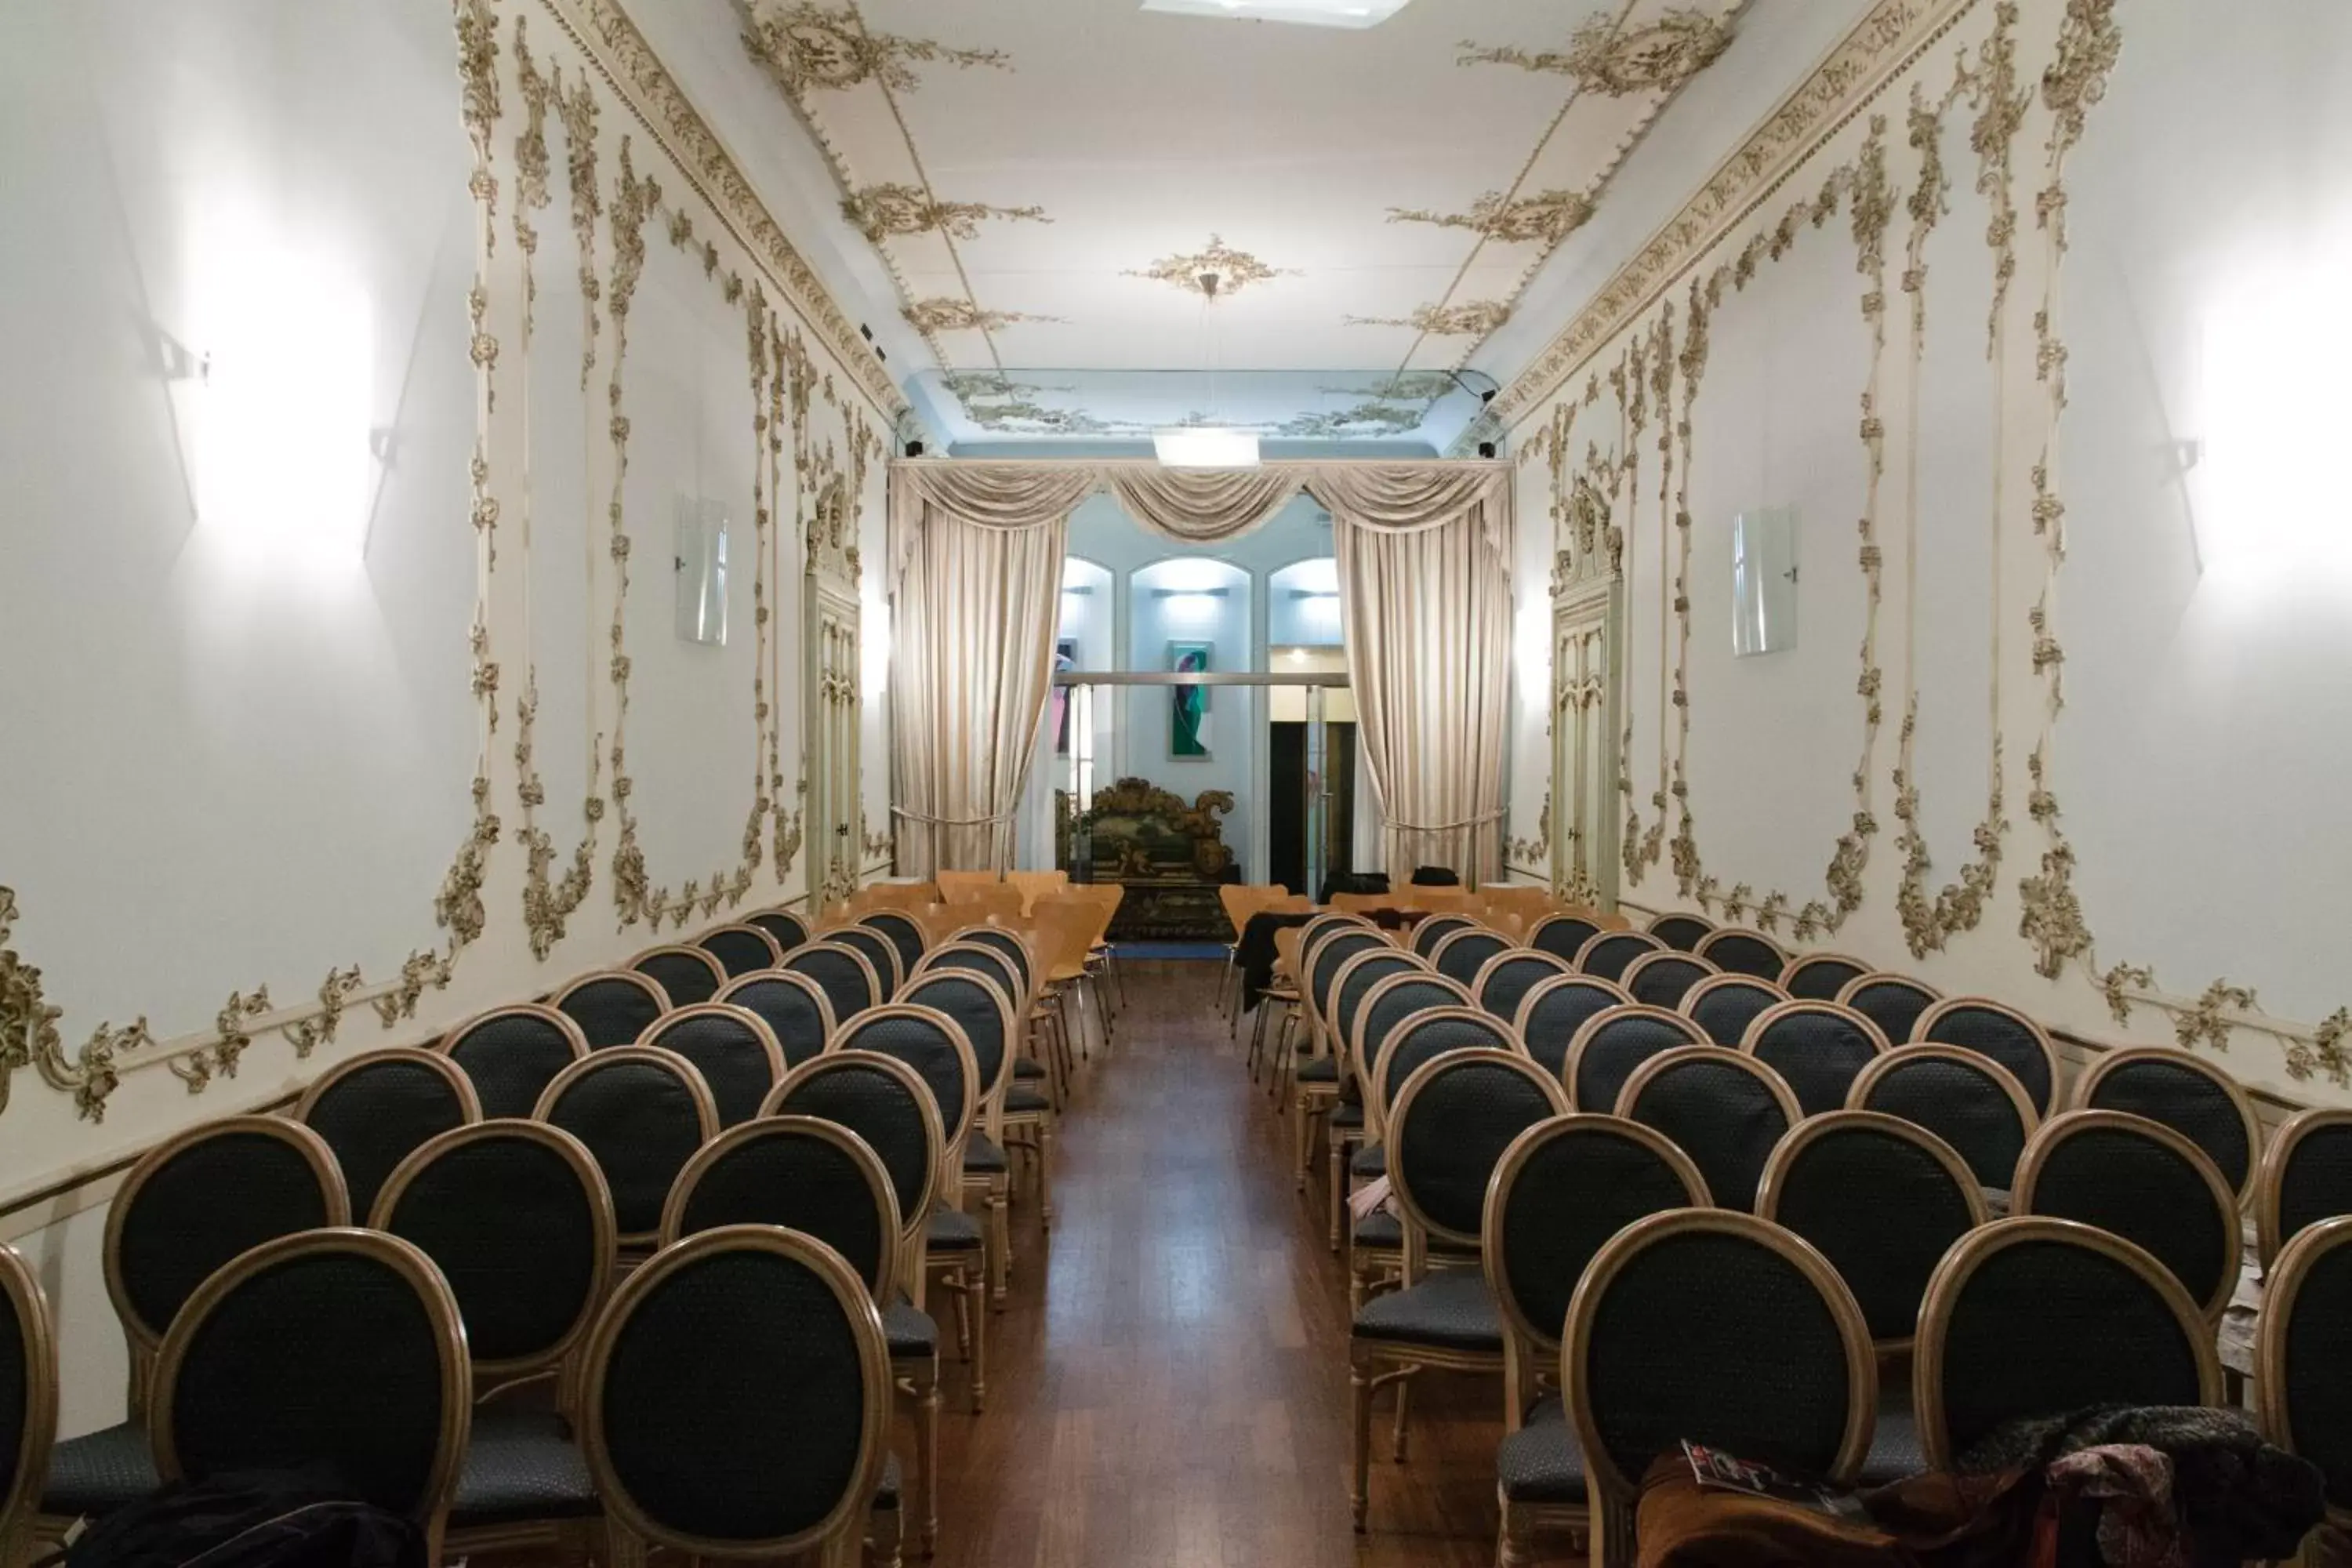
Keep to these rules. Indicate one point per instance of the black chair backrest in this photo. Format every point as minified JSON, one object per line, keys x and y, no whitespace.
{"x":1722,"y":1328}
{"x":848,"y":981}
{"x":740,"y":950}
{"x":2187,"y":1094}
{"x":1820,"y":976}
{"x":1507,"y":978}
{"x":2302,"y":1355}
{"x":613,"y":1007}
{"x":1611,"y":1044}
{"x":1015,"y":951}
{"x":336,"y":1350}
{"x":1965,"y":1100}
{"x":738,"y":1397}
{"x":977,"y":958}
{"x":1564,"y":1188}
{"x":28,"y":1391}
{"x":1435,"y":929}
{"x":2002,"y":1033}
{"x":1562,"y":936}
{"x":2307,"y":1177}
{"x":1882,"y":1200}
{"x":2029,"y":1317}
{"x":1893,"y":1002}
{"x":905,"y":931}
{"x":1332,"y":956}
{"x":1664,"y":979}
{"x":1612,"y":953}
{"x":685,"y":974}
{"x":642,"y":1111}
{"x":1451,"y":1121}
{"x":887,"y":1105}
{"x":981,"y":1010}
{"x":1723,"y":1006}
{"x":2142,"y":1181}
{"x":1391,"y":1002}
{"x":803,"y":1173}
{"x":375,"y":1108}
{"x":793,"y":1006}
{"x":930,"y":1043}
{"x":1818,"y":1048}
{"x":879,"y":950}
{"x":732,"y":1046}
{"x":1460,"y":956}
{"x":1554,"y":1010}
{"x":1356,"y":981}
{"x":511,"y":1054}
{"x":1422,"y":1038}
{"x":789,"y":930}
{"x":1681,"y":931}
{"x":197,"y":1200}
{"x":516,"y":1218}
{"x":1727,"y":1112}
{"x":1738,"y":951}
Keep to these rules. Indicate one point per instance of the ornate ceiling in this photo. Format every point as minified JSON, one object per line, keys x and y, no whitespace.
{"x":1087,"y":185}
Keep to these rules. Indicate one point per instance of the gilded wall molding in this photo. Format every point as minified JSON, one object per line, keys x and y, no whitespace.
{"x":1603,"y":56}
{"x":1544,"y":218}
{"x":1475,"y":319}
{"x":809,"y":47}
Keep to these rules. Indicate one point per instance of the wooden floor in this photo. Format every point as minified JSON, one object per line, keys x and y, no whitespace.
{"x":1169,"y":1383}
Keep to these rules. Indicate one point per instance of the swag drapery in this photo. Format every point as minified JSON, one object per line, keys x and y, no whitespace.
{"x":1424,"y":551}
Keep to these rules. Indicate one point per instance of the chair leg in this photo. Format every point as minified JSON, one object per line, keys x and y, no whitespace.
{"x":976,"y":1290}
{"x":1257,"y":1035}
{"x":887,"y":1529}
{"x":1511,"y":1546}
{"x":1298,"y":1140}
{"x":1045,"y":1172}
{"x":927,"y":1441}
{"x":1359,"y":1391}
{"x":1000,"y":1239}
{"x":1403,"y":1407}
{"x":1334,"y":1199}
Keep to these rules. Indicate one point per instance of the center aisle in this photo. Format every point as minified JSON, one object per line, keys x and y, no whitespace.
{"x":1169,"y":1382}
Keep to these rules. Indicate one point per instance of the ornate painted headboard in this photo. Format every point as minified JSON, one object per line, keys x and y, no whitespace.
{"x":1171,"y":857}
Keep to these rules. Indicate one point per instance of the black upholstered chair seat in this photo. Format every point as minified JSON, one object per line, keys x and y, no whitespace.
{"x":951,"y":1230}
{"x":1895,"y":1450}
{"x":1542,"y":1462}
{"x":93,"y":1475}
{"x":1381,"y":1228}
{"x":522,"y":1464}
{"x":1021,"y":1100}
{"x":909,"y":1331}
{"x":1371,"y":1160}
{"x":1024,"y":1067}
{"x":984,"y":1156}
{"x":1452,"y":1310}
{"x":1319,"y":1069}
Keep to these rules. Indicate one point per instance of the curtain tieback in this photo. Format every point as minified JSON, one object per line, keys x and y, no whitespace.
{"x":1445,"y":826}
{"x":951,"y":821}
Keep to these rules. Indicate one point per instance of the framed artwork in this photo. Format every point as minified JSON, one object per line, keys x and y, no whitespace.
{"x":1065,"y":659}
{"x":1188,"y":706}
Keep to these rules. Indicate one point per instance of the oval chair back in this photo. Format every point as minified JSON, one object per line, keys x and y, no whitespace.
{"x":892,"y":1111}
{"x":199,"y":1199}
{"x":1968,"y":1101}
{"x":2307,"y":1177}
{"x":1010,"y":943}
{"x":1391,"y":1003}
{"x":516,"y":1218}
{"x":1462,"y":955}
{"x":984,"y":1013}
{"x":1611,"y":1044}
{"x":798,"y":1172}
{"x":789,"y":930}
{"x":793,"y":1006}
{"x":738,"y":1400}
{"x":2142,"y":1181}
{"x":29,"y":1400}
{"x":612,"y":1006}
{"x":685,"y":974}
{"x":848,"y":981}
{"x":511,"y":1054}
{"x":2186,"y":1093}
{"x":1664,"y":979}
{"x":2002,"y":1032}
{"x":1820,"y":976}
{"x":732,"y":1046}
{"x":1720,"y":1328}
{"x":1507,"y":978}
{"x":1453,"y":1119}
{"x":1435,"y":928}
{"x":1326,"y":958}
{"x":740,"y":950}
{"x":1355,"y":982}
{"x":1727,"y":1112}
{"x":375,"y":1108}
{"x":1680,"y":930}
{"x":979,"y":958}
{"x":642,"y":1112}
{"x":1893,"y":1002}
{"x":1723,"y":1006}
{"x":1554,"y":1010}
{"x":879,"y":952}
{"x":1422,"y":1039}
{"x":2029,"y":1317}
{"x":2302,"y":1356}
{"x":339,"y":1349}
{"x":1561,"y":1191}
{"x":1736,"y":950}
{"x":904,"y":931}
{"x":1818,"y":1048}
{"x":930,"y":1043}
{"x":1882,"y":1200}
{"x":1612,"y":952}
{"x":1563,"y":936}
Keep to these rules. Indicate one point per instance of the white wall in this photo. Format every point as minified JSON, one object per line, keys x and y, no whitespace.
{"x":241,"y":758}
{"x":2193,"y":726}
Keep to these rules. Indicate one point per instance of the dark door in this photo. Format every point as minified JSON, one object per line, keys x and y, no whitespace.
{"x":1286,"y":822}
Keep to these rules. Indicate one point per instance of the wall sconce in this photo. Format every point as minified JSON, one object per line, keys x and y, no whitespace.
{"x":1191,"y":592}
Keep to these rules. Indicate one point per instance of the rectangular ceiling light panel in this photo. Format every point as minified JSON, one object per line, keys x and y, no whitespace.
{"x":1306,"y":13}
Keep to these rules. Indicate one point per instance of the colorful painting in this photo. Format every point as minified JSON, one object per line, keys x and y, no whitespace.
{"x":1065,"y":659}
{"x":1188,"y":727}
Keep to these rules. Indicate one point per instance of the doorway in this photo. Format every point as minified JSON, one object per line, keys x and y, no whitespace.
{"x":1288,"y":799}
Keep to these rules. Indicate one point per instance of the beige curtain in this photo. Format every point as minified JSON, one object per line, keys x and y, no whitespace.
{"x":976,"y":582}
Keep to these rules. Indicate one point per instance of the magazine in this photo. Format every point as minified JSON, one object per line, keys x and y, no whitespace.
{"x":1715,"y":1470}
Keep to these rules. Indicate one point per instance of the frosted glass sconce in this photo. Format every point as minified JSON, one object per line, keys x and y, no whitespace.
{"x":1764,"y":581}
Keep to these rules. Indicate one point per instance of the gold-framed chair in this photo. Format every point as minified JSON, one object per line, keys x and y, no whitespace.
{"x":879,"y":950}
{"x":1609,"y":953}
{"x":1727,"y":1111}
{"x":1818,"y":1048}
{"x":1504,"y":981}
{"x":641,"y":1111}
{"x":2000,"y":1031}
{"x":732,"y":1046}
{"x":844,"y":973}
{"x":687,"y":974}
{"x":1739,"y":949}
{"x":1553,"y":1010}
{"x":1323,"y":951}
{"x":612,"y":1006}
{"x":795,"y":1007}
{"x":1723,"y":1006}
{"x":786,"y":926}
{"x":1820,"y":976}
{"x":741,"y":948}
{"x":2306,"y":1177}
{"x":2144,"y":1182}
{"x":28,"y":1421}
{"x":1893,"y":1002}
{"x":373,"y":1109}
{"x":1662,"y":979}
{"x":2186,"y":1093}
{"x":511,"y":1054}
{"x":2300,"y":1352}
{"x":1969,"y":1100}
{"x":1679,"y":929}
{"x":1612,"y":1042}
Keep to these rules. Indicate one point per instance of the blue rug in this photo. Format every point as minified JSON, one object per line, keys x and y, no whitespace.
{"x":1211,"y":951}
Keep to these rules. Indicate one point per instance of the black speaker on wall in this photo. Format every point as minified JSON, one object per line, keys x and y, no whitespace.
{"x":1486,"y":448}
{"x":914,"y":448}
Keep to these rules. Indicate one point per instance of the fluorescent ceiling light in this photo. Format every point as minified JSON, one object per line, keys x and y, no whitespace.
{"x":1306,"y":12}
{"x":1198,"y":446}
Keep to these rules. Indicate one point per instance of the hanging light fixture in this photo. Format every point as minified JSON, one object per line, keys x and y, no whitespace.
{"x":1206,"y":446}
